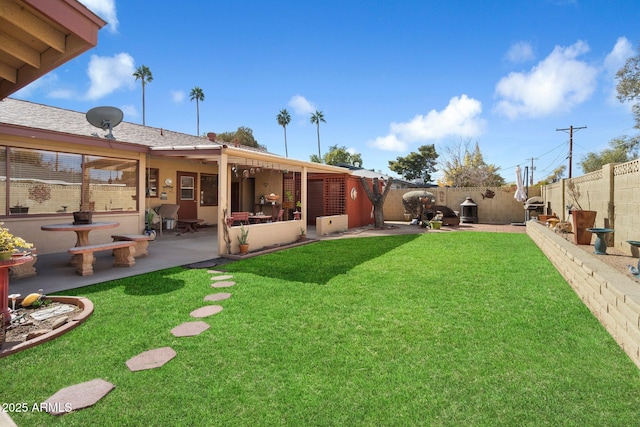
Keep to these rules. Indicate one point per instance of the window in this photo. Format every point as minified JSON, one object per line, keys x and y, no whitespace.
{"x":187,"y":188}
{"x":45,"y":182}
{"x":151,"y":181}
{"x":208,"y":190}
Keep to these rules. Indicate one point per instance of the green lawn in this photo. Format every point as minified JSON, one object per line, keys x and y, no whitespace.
{"x":450,"y":329}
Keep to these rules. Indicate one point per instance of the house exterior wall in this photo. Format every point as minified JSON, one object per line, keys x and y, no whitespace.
{"x":360,"y":209}
{"x":501,"y":208}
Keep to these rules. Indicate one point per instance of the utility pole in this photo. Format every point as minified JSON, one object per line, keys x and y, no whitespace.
{"x":532,"y":169}
{"x":571,"y":129}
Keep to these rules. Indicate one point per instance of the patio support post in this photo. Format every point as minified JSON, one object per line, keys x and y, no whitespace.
{"x":224,"y":189}
{"x":303,"y":195}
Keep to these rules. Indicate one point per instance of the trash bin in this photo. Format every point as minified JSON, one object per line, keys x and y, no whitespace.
{"x":171,"y":224}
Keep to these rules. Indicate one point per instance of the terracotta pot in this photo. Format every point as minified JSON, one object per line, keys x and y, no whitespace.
{"x":244,"y":249}
{"x":581,"y":221}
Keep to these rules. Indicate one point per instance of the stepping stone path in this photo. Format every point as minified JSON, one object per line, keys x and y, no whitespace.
{"x":223,"y":277}
{"x":190,"y":329}
{"x":220,"y":296}
{"x":77,"y":396}
{"x":151,"y":359}
{"x":222,"y":284}
{"x":206,"y":311}
{"x":87,"y":394}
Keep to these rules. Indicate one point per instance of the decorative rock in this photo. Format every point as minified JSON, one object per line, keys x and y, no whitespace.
{"x":209,"y":310}
{"x":59,"y":322}
{"x":190,"y":329}
{"x":222,"y":284}
{"x":223,"y":277}
{"x":35,"y":334}
{"x":77,"y":396}
{"x":220,"y":296}
{"x":151,"y":359}
{"x":215,"y":272}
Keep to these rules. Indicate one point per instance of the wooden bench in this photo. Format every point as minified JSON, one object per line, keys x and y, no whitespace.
{"x":142,"y":242}
{"x":123,"y":252}
{"x":190,"y":225}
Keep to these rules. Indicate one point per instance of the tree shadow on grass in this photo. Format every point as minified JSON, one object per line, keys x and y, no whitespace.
{"x":320,"y":262}
{"x":154,"y":283}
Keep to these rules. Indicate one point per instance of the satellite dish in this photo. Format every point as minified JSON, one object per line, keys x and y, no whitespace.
{"x":105,"y":118}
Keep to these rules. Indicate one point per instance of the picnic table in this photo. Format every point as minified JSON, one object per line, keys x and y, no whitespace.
{"x":82,"y":232}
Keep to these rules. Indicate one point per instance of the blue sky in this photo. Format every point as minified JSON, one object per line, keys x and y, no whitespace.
{"x":389,"y":76}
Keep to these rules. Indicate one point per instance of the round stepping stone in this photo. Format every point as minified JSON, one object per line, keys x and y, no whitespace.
{"x":209,"y":310}
{"x":190,"y":329}
{"x":77,"y":396}
{"x":222,"y":284}
{"x":151,"y":359}
{"x":220,"y":296}
{"x":223,"y":277}
{"x":215,"y":272}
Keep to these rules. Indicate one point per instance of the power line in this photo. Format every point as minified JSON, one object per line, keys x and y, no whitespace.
{"x":571,"y":129}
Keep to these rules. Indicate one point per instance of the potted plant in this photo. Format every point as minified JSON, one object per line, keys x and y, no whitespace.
{"x":436,"y":221}
{"x":243,"y":240}
{"x":582,"y":219}
{"x":18,"y":209}
{"x":303,"y":235}
{"x":9,"y":242}
{"x":288,"y":203}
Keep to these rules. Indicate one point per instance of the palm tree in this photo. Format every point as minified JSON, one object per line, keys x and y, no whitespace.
{"x":316,"y":118}
{"x":283,"y":120}
{"x":143,"y":73}
{"x":198,"y":95}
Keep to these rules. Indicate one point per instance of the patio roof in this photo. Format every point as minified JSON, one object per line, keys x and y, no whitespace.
{"x":37,"y":36}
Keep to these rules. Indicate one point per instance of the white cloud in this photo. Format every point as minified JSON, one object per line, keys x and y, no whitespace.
{"x":557,"y":83}
{"x":45,"y":82}
{"x":520,"y":52}
{"x":105,"y":9}
{"x":301,"y":105}
{"x":129,"y":111}
{"x":177,"y":96}
{"x":62,"y":94}
{"x":108,"y":74}
{"x":615,"y":60}
{"x":461,"y":118}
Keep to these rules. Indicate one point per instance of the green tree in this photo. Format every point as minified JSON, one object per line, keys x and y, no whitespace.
{"x":315,"y":158}
{"x":554,"y":177}
{"x":464,"y":168}
{"x":316,"y":118}
{"x":418,"y":165}
{"x":628,"y":86}
{"x":622,"y":149}
{"x":242,"y":136}
{"x":337,"y":155}
{"x":144,"y":74}
{"x":197,"y":94}
{"x":284,"y":118}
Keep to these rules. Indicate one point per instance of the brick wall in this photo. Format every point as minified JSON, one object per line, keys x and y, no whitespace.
{"x":610,"y":295}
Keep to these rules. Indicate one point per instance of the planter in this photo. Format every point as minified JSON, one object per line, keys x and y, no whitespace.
{"x":82,"y":217}
{"x":581,"y":221}
{"x":436,"y":225}
{"x":244,"y":249}
{"x":5,"y":255}
{"x":16,"y":210}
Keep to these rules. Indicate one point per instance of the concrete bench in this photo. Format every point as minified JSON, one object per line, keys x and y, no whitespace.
{"x":142,"y":242}
{"x":123,"y":252}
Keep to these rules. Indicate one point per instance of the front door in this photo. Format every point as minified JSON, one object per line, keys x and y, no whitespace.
{"x":187,"y":195}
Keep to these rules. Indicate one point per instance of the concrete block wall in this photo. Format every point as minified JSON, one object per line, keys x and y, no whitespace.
{"x":613,"y":192}
{"x":610,"y":295}
{"x":502,"y":208}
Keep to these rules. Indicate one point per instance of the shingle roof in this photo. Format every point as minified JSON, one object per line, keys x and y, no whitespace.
{"x":38,"y":116}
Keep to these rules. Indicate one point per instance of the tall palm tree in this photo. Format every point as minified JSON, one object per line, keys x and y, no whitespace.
{"x":283,"y":120}
{"x":197,"y":94}
{"x":143,"y":73}
{"x":316,"y":118}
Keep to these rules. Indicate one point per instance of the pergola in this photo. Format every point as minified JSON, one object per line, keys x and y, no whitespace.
{"x":37,"y":36}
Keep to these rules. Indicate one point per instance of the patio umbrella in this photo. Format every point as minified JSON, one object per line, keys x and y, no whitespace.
{"x":520,"y":195}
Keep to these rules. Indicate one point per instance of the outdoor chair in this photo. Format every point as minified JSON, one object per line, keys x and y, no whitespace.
{"x":240,"y":218}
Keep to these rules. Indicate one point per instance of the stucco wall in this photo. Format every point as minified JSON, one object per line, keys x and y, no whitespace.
{"x":502,"y":208}
{"x":267,"y":234}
